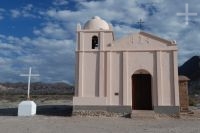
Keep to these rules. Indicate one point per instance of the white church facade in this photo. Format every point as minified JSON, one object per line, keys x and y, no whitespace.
{"x":136,"y":72}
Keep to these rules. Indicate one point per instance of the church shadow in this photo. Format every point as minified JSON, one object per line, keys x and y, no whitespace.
{"x":46,"y":110}
{"x":8,"y":112}
{"x":54,"y":110}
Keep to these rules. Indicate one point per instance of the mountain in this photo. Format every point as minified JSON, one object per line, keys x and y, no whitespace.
{"x":36,"y":88}
{"x":191,"y":69}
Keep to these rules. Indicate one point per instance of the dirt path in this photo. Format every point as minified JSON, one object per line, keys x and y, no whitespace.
{"x":44,"y":124}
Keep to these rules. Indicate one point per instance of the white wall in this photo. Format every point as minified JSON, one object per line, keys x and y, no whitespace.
{"x":116,"y":78}
{"x":90,"y":74}
{"x":88,"y":41}
{"x":167,"y":78}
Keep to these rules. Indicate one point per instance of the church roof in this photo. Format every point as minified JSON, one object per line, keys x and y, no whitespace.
{"x":131,"y":38}
{"x":183,"y":78}
{"x":96,"y":23}
{"x":158,"y":38}
{"x":142,"y":41}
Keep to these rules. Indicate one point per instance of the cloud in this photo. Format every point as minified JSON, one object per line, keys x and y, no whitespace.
{"x":4,"y":46}
{"x":52,"y":30}
{"x":109,"y":10}
{"x":52,"y":58}
{"x":60,"y":2}
{"x":166,"y":24}
{"x":15,"y":13}
{"x":51,"y":50}
{"x":28,"y":7}
{"x":25,"y":11}
{"x":2,"y":11}
{"x":159,"y":16}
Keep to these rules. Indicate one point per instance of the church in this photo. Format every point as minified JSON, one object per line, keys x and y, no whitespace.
{"x":136,"y":72}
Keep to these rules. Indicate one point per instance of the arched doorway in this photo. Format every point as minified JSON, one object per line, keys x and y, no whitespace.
{"x":141,"y":91}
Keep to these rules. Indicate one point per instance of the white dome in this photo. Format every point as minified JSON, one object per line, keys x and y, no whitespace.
{"x":96,"y":23}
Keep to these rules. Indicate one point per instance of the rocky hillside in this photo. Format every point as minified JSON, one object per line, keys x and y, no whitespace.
{"x":191,"y":69}
{"x":36,"y":88}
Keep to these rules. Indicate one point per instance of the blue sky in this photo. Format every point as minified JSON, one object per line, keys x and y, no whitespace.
{"x":41,"y":33}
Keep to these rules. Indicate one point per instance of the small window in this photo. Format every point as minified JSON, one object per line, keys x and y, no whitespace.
{"x":95,"y":43}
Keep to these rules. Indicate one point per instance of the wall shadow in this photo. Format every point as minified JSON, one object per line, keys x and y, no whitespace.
{"x":54,"y":110}
{"x":8,"y":112}
{"x":47,"y":110}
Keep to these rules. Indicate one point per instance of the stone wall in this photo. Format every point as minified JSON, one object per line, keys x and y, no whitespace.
{"x":183,"y":93}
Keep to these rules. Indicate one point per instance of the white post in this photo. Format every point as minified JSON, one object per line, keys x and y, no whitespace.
{"x":29,"y":82}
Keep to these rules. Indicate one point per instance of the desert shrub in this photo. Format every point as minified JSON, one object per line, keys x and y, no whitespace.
{"x":192,"y":101}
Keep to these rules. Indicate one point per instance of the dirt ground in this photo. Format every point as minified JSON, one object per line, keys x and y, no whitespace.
{"x":54,"y":116}
{"x":54,"y":119}
{"x":44,"y":124}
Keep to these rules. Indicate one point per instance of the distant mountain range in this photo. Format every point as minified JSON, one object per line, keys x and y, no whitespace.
{"x":36,"y":88}
{"x":191,"y":69}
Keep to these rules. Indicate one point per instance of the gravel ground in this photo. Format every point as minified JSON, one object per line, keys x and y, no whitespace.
{"x":44,"y":124}
{"x":55,"y":117}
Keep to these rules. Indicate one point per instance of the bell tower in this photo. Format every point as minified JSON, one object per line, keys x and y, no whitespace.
{"x":93,"y":41}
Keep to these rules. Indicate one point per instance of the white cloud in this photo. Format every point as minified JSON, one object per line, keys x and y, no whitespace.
{"x":2,"y":11}
{"x":50,"y":57}
{"x":15,"y":13}
{"x":60,"y":2}
{"x":6,"y":46}
{"x":26,"y":11}
{"x":166,"y":24}
{"x":52,"y":30}
{"x":122,"y":30}
{"x":28,"y":7}
{"x":162,"y":21}
{"x":51,"y":52}
{"x":62,"y":15}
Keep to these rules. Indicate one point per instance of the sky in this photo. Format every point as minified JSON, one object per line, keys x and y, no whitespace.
{"x":42,"y":33}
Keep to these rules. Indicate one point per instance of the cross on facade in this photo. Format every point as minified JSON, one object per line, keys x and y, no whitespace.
{"x":140,"y":22}
{"x":186,"y":14}
{"x":29,"y":75}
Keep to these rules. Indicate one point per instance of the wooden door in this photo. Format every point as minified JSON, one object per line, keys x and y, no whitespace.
{"x":141,"y":92}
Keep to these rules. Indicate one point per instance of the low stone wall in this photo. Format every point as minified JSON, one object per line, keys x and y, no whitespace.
{"x":168,"y":110}
{"x":99,"y":114}
{"x":123,"y":111}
